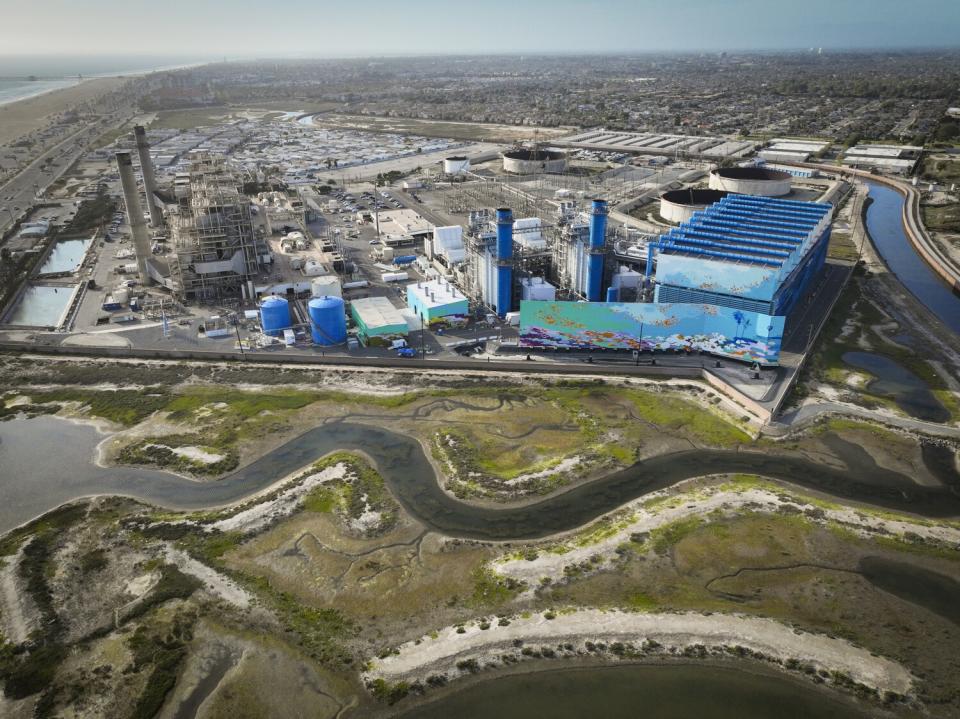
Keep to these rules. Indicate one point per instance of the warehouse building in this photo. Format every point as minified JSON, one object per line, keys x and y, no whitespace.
{"x":377,"y":320}
{"x":900,"y":159}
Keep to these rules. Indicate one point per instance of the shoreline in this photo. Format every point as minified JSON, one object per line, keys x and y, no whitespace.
{"x":40,"y":93}
{"x":438,"y":695}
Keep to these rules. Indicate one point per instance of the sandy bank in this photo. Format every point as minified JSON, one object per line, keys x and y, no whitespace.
{"x":24,"y":116}
{"x":645,"y":633}
{"x":660,"y":509}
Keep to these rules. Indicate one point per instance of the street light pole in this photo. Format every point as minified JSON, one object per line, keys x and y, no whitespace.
{"x":640,"y":349}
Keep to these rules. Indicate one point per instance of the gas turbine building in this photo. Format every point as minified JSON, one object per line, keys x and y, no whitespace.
{"x":725,"y":283}
{"x":750,"y":253}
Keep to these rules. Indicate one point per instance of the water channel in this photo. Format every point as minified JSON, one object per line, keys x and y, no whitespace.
{"x":885,"y":225}
{"x":909,"y":391}
{"x":46,"y":461}
{"x":626,"y":692}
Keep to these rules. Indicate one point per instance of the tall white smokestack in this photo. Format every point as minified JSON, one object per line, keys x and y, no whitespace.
{"x":141,"y":240}
{"x":149,"y":181}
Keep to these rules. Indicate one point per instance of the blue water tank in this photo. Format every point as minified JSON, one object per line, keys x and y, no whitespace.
{"x":612,"y":294}
{"x":404,"y":259}
{"x":274,"y":315}
{"x":328,"y":320}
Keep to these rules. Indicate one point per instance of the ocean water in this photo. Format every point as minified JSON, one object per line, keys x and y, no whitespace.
{"x":13,"y":90}
{"x":53,"y":72}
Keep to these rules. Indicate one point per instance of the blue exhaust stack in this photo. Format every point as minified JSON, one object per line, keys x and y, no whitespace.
{"x":504,"y":261}
{"x":598,"y":236}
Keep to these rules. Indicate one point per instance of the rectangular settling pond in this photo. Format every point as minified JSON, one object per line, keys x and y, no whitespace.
{"x":65,"y":256}
{"x":42,"y":306}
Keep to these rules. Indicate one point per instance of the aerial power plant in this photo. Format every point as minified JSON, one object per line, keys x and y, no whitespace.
{"x":553,"y":384}
{"x":546,"y":248}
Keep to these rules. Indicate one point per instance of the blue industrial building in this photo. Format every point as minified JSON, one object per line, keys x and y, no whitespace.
{"x":726,"y":281}
{"x":758,"y":254}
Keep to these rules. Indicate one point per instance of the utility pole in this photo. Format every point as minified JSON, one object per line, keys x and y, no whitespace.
{"x":243,"y":356}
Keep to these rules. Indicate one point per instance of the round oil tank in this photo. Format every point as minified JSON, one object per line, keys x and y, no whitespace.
{"x":328,"y":320}
{"x":456,"y":165}
{"x":680,"y":205}
{"x":530,"y":161}
{"x":274,"y":315}
{"x":760,"y":181}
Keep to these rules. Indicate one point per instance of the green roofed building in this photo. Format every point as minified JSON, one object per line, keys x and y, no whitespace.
{"x":377,"y":317}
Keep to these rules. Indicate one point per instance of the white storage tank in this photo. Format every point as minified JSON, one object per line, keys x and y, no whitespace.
{"x":456,"y":165}
{"x":760,"y":181}
{"x":328,"y":286}
{"x":680,"y":205}
{"x":312,"y":268}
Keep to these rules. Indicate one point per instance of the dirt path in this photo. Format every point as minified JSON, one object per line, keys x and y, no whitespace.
{"x":18,"y":616}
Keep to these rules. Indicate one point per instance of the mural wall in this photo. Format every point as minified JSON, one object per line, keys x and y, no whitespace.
{"x":744,"y":280}
{"x":748,"y":336}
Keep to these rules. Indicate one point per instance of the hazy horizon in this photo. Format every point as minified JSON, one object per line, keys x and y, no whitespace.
{"x":301,"y":29}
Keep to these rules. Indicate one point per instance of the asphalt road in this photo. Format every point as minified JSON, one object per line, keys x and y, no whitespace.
{"x":24,"y":187}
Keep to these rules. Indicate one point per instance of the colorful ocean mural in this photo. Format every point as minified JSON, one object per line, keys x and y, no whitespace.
{"x":748,"y":336}
{"x":757,"y":282}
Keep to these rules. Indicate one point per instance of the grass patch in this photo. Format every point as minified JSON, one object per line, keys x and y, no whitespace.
{"x":680,"y":415}
{"x":842,"y":247}
{"x":126,"y":407}
{"x":321,"y":632}
{"x":662,"y":539}
{"x":322,"y":500}
{"x":492,"y":590}
{"x":641,"y":602}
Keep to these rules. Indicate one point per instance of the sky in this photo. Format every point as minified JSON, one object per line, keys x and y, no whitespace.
{"x":328,"y":28}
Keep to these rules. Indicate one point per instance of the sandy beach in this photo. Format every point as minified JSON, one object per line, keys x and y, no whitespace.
{"x":19,"y":118}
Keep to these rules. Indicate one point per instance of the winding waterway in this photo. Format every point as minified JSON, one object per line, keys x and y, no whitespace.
{"x":38,"y":474}
{"x":885,"y":225}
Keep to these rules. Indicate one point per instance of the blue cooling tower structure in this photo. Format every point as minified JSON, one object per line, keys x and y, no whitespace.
{"x":504,"y":261}
{"x":328,"y":320}
{"x":274,"y":315}
{"x":598,"y":236}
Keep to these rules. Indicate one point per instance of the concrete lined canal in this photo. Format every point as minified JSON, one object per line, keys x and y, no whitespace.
{"x":885,"y":226}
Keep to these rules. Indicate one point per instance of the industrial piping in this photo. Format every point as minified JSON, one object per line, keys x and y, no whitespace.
{"x":141,"y":240}
{"x":149,"y":181}
{"x":598,"y":236}
{"x":504,"y":261}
